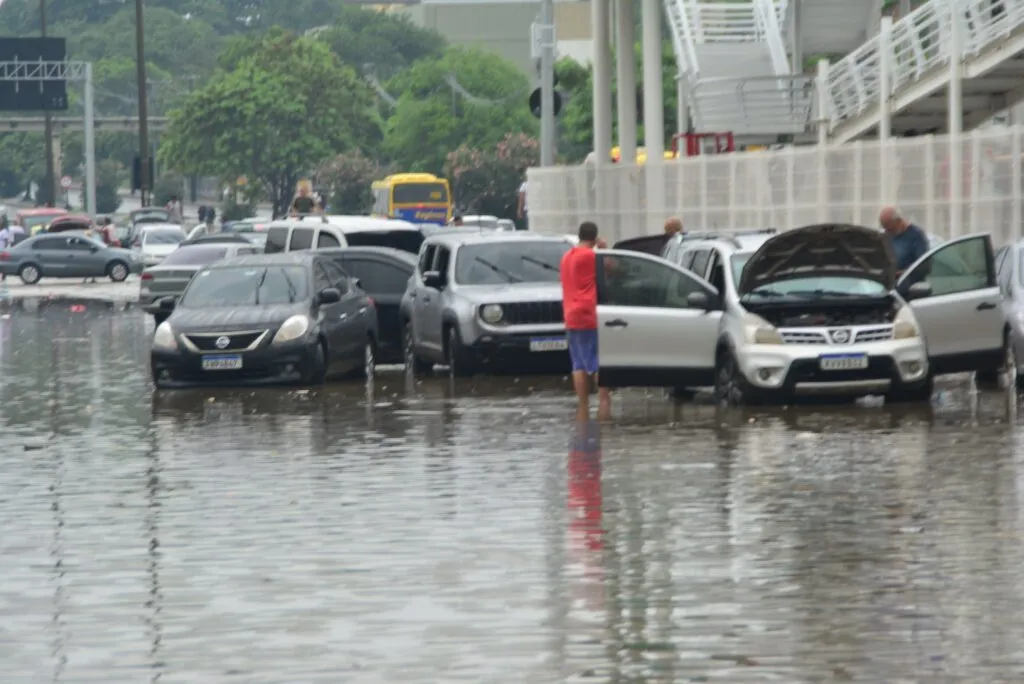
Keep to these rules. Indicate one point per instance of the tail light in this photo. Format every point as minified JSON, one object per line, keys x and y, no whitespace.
{"x":5,"y":256}
{"x":147,"y":276}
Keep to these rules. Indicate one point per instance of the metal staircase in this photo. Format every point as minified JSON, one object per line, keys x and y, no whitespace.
{"x":834,"y":26}
{"x":736,"y":72}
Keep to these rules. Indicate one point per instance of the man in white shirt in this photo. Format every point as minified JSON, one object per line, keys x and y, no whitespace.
{"x":522,"y":212}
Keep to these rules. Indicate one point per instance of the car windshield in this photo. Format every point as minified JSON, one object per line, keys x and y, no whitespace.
{"x":500,"y":263}
{"x":30,"y":222}
{"x":246,"y":286}
{"x":157,"y":216}
{"x":163,"y":237}
{"x":196,"y":255}
{"x":825,"y":286}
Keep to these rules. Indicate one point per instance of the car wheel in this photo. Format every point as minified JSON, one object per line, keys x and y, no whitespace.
{"x":117,"y":271}
{"x":412,"y":362}
{"x":731,"y":388}
{"x":369,"y":359}
{"x":459,"y":365}
{"x":158,"y":383}
{"x":316,"y":368}
{"x":29,"y":274}
{"x":902,"y":394}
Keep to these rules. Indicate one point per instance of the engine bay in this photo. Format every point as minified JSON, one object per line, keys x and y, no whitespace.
{"x":806,"y":315}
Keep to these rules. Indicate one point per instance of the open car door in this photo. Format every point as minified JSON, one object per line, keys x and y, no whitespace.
{"x":657,"y":323}
{"x":961,"y":316}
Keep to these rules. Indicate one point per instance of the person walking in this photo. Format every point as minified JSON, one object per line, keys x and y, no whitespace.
{"x":909,"y":243}
{"x":522,"y":211}
{"x":578,"y":273}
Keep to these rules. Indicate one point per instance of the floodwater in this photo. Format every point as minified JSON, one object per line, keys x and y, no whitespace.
{"x":464,"y":533}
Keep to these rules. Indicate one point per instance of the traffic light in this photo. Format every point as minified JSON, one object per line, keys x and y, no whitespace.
{"x":535,"y":102}
{"x":137,"y":173}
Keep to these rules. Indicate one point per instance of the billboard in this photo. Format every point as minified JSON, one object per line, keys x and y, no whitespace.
{"x":18,"y":95}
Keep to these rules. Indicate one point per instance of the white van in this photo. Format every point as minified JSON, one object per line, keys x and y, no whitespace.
{"x":322,"y":232}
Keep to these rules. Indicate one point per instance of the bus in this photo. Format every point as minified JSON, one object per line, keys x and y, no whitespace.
{"x":414,"y":197}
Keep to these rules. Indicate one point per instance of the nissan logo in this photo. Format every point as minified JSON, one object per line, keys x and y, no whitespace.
{"x":222,"y":342}
{"x":839,"y":336}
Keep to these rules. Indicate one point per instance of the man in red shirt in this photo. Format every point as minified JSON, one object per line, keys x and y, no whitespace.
{"x":579,"y":309}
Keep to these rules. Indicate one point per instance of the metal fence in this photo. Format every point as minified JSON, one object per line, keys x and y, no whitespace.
{"x":793,"y":187}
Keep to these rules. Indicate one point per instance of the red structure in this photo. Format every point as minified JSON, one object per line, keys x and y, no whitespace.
{"x":703,"y":143}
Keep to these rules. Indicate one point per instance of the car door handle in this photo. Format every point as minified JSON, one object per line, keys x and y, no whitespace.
{"x":617,"y":323}
{"x":985,"y":306}
{"x":343,"y":317}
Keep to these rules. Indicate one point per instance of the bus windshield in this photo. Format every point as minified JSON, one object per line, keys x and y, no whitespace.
{"x":420,"y":193}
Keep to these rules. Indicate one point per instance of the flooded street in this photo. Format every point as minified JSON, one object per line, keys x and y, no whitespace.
{"x":468,"y":533}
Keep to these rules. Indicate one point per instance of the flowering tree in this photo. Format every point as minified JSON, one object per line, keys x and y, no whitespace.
{"x":346,"y":181}
{"x":486,"y":181}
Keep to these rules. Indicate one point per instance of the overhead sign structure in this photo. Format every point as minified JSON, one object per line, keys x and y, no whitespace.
{"x":33,"y":78}
{"x":65,"y":182}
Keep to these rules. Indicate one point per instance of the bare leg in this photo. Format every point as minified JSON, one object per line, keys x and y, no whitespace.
{"x":581,"y":383}
{"x":604,"y":401}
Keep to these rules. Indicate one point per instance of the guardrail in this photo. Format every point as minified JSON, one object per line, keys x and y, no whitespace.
{"x":765,"y":104}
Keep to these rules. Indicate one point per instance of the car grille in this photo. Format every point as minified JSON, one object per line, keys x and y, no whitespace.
{"x":803,"y":337}
{"x":879,"y":334}
{"x":532,"y":313}
{"x":238,"y":341}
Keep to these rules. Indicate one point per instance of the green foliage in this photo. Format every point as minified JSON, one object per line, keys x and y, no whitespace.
{"x":346,"y":181}
{"x":236,"y":211}
{"x":168,"y":185}
{"x":387,"y":41}
{"x":486,"y":181}
{"x":430,"y":121}
{"x":108,"y":181}
{"x":273,"y":117}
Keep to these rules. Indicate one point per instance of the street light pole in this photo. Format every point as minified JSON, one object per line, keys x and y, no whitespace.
{"x":140,"y":56}
{"x":49,"y":188}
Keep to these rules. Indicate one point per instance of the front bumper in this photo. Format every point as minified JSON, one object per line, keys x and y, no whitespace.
{"x":796,"y":369}
{"x":515,"y":348}
{"x":266,"y":365}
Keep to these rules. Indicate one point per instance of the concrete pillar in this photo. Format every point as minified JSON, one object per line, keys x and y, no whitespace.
{"x":654,"y":114}
{"x":683,"y":111}
{"x":625,"y":39}
{"x":823,"y":107}
{"x":796,"y":36}
{"x":956,"y":124}
{"x":600,"y":20}
{"x":885,"y":109}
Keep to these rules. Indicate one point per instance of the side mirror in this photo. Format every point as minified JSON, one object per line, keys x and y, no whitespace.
{"x":919,"y":290}
{"x":167,"y":304}
{"x":329,"y":295}
{"x":698,"y":300}
{"x":432,"y":279}
{"x":94,"y":249}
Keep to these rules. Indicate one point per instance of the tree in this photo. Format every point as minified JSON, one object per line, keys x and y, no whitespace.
{"x":275,"y":116}
{"x":108,"y":180}
{"x":168,"y":185}
{"x":486,"y":181}
{"x":382,"y":42}
{"x":346,"y":179}
{"x":430,"y":120}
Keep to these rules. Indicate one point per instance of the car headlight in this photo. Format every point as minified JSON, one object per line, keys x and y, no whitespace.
{"x":292,"y":329}
{"x":492,"y":313}
{"x":164,"y":338}
{"x":903,"y":326}
{"x":760,"y":331}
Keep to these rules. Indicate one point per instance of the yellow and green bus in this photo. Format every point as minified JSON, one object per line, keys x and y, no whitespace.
{"x":415,"y":197}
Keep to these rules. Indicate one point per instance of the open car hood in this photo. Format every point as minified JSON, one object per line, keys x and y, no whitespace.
{"x":828,"y":249}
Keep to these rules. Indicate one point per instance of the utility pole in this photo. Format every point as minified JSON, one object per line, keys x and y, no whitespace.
{"x":49,"y":189}
{"x":547,"y":84}
{"x":140,"y":56}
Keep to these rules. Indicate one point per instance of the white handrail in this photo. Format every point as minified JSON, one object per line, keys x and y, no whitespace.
{"x":764,"y":13}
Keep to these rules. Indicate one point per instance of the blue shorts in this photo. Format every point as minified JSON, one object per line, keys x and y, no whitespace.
{"x":583,"y":349}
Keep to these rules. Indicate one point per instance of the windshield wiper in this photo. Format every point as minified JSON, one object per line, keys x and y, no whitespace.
{"x":538,"y":262}
{"x":766,"y":292}
{"x":825,"y":293}
{"x":259,"y":286}
{"x":292,"y":291}
{"x":499,"y":270}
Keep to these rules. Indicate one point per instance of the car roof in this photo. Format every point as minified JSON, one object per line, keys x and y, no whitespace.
{"x":148,"y":227}
{"x":457,"y":238}
{"x":401,"y":255}
{"x":71,"y":218}
{"x":347,"y":224}
{"x":299,"y":258}
{"x":734,"y":241}
{"x":43,"y":211}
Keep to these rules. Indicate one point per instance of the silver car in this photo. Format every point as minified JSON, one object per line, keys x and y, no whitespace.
{"x":479,"y":301}
{"x":173,"y":274}
{"x":67,"y":255}
{"x":814,"y":310}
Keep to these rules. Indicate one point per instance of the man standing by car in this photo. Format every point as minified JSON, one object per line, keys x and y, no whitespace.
{"x":579,"y":310}
{"x":908,"y":242}
{"x":673,"y":226}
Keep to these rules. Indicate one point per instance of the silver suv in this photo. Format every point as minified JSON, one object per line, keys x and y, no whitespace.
{"x":480,"y":300}
{"x":813,"y":310}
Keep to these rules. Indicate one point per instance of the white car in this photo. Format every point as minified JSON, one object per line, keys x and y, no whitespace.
{"x":815,"y":310}
{"x":156,"y":240}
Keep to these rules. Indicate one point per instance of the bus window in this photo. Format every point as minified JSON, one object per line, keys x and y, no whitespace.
{"x":420,"y":193}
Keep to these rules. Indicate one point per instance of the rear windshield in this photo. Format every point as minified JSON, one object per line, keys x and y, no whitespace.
{"x":246,"y":286}
{"x":163,"y":237}
{"x":196,"y":255}
{"x":420,"y":193}
{"x":30,"y":222}
{"x":404,"y":240}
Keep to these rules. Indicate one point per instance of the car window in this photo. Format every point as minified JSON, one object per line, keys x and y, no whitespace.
{"x":686,"y":260}
{"x":277,"y":240}
{"x":338,"y":276}
{"x":957,"y":267}
{"x":738,"y":261}
{"x":404,"y":240}
{"x":321,"y":281}
{"x":1001,"y":261}
{"x":50,"y":243}
{"x":716,"y":271}
{"x":379,"y":278}
{"x":163,"y":237}
{"x":240,"y":251}
{"x":325,"y":240}
{"x":441,"y":261}
{"x":632,"y":281}
{"x":1004,"y":269}
{"x":700,"y":261}
{"x":195,"y":255}
{"x":79,"y":245}
{"x":427,"y":258}
{"x":302,"y":238}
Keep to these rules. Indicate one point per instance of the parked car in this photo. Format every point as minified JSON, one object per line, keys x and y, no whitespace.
{"x":156,"y":240}
{"x":384,"y":274}
{"x":170,"y":277}
{"x":326,"y":232}
{"x":217,"y":239}
{"x":257,"y":239}
{"x":70,"y":223}
{"x":478,"y":301}
{"x":34,"y":221}
{"x":1009,"y":264}
{"x":815,"y":310}
{"x":281,"y":318}
{"x":67,"y":255}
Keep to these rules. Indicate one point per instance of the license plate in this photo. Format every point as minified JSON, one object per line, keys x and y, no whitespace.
{"x":546,"y":344}
{"x":216,"y":363}
{"x":838,"y":362}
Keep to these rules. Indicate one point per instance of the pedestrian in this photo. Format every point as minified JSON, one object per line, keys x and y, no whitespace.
{"x":304,"y":203}
{"x":457,"y":220}
{"x":6,"y":239}
{"x":174,"y":210}
{"x":673,"y":226}
{"x":909,"y":243}
{"x":108,"y":233}
{"x":578,"y":271}
{"x":522,"y":211}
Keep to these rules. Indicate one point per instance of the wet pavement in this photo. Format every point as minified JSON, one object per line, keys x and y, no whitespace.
{"x":439,"y":532}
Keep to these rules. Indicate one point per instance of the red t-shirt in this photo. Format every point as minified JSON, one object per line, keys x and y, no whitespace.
{"x":579,"y":289}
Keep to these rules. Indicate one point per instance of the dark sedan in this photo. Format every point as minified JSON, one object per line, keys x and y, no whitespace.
{"x":383,"y":273}
{"x":266,"y":319}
